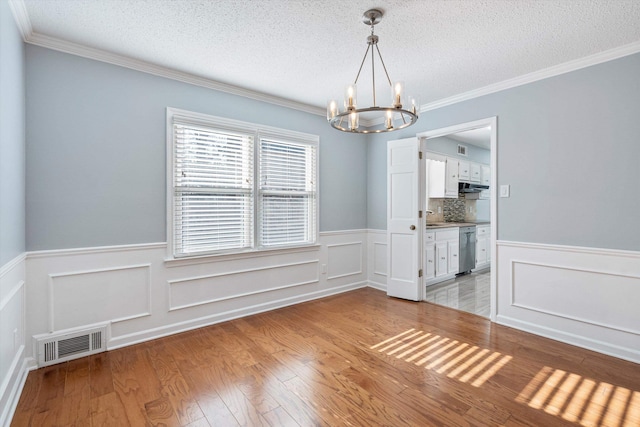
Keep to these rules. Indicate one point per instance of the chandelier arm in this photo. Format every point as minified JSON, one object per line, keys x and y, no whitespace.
{"x":362,"y":63}
{"x":383,"y":66}
{"x":373,"y":72}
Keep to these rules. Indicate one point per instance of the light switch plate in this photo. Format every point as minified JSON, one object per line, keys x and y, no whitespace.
{"x":504,"y":190}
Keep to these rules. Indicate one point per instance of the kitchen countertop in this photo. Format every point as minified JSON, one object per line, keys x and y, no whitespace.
{"x":435,"y":225}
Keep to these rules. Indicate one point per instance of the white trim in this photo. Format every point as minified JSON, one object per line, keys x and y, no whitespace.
{"x":342,"y":232}
{"x":373,"y":261}
{"x":174,"y":328}
{"x":147,"y":269}
{"x":566,"y":316}
{"x":5,"y":269}
{"x":574,"y":249}
{"x":377,"y":231}
{"x":95,"y":250}
{"x":556,"y":70}
{"x":625,"y":353}
{"x":11,"y":294}
{"x":206,"y":259}
{"x":24,"y":24}
{"x":28,"y":365}
{"x":379,"y":286}
{"x":337,"y":276}
{"x":231,"y":273}
{"x":158,"y":70}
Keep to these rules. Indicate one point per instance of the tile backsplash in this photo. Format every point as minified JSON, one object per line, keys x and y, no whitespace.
{"x":454,"y":210}
{"x":451,"y":210}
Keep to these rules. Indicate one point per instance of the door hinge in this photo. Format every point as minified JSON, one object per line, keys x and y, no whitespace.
{"x":419,"y":214}
{"x":420,"y":273}
{"x":420,"y":155}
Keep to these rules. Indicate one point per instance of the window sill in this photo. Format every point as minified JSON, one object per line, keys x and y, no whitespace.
{"x":206,"y":259}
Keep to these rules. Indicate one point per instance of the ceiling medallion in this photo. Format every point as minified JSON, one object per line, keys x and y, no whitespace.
{"x":402,"y":112}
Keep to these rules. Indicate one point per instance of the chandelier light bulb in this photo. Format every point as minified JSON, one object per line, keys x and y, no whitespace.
{"x":398,"y":88}
{"x":350,"y":97}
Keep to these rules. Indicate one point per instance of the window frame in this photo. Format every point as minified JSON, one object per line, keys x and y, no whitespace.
{"x":257,"y":131}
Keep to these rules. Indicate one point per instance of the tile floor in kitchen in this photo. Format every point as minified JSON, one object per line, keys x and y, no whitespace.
{"x":469,"y":292}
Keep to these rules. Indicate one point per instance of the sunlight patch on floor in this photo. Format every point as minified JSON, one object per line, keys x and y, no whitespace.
{"x":459,"y":360}
{"x":581,"y":400}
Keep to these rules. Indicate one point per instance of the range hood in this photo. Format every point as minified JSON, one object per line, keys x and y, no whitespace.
{"x":466,"y":187}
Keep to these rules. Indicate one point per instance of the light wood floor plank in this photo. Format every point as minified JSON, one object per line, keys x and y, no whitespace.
{"x":354,"y":359}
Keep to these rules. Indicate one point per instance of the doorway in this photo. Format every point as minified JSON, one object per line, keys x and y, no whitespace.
{"x":472,"y":145}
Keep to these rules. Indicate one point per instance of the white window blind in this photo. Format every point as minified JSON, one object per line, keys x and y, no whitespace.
{"x":238,"y":187}
{"x":213,"y":183}
{"x":287,"y":206}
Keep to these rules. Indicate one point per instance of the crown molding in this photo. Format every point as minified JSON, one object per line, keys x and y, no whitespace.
{"x":21,"y":16}
{"x":157,"y":70}
{"x":556,"y":70}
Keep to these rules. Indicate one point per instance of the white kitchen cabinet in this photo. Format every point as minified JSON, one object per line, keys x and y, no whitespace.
{"x":453,"y":249}
{"x":430,"y":255}
{"x":442,"y":259}
{"x":435,"y":172}
{"x":464,"y":171}
{"x":483,"y":246}
{"x":451,"y":178}
{"x":486,"y":175}
{"x":441,"y":252}
{"x":475,"y":170}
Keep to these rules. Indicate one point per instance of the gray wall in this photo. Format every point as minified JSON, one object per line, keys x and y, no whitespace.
{"x":96,"y":152}
{"x":12,"y":139}
{"x":567,"y":145}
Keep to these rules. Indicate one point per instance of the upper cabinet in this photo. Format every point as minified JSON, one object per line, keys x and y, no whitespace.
{"x":486,"y":175}
{"x":475,"y":173}
{"x":451,"y":178}
{"x":464,"y":172}
{"x":436,"y":170}
{"x":444,"y":173}
{"x":442,"y":176}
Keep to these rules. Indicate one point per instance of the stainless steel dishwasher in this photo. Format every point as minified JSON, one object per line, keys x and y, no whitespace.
{"x":467,"y":249}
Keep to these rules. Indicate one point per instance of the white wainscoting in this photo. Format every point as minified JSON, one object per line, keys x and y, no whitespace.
{"x":583,"y":296}
{"x":14,"y":366}
{"x":100,"y":292}
{"x":143,"y":296}
{"x":377,"y":256}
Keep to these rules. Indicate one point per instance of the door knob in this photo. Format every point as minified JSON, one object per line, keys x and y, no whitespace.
{"x":413,"y":227}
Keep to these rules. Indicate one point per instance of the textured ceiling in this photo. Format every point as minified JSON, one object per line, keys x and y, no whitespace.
{"x":307,"y":51}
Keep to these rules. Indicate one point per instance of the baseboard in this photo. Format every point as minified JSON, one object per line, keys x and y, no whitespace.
{"x":377,"y":285}
{"x":155,"y":333}
{"x":625,"y":353}
{"x":535,"y":282}
{"x":12,"y":389}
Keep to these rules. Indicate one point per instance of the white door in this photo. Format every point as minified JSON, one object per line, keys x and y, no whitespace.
{"x":404,"y":227}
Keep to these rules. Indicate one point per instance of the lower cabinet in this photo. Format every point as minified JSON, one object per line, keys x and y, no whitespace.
{"x":441,"y":253}
{"x":483,"y":246}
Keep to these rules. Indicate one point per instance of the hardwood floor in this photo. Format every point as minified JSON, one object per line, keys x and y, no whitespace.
{"x":355,"y":359}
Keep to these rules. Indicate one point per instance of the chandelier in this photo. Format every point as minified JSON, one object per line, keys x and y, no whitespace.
{"x":402,"y":112}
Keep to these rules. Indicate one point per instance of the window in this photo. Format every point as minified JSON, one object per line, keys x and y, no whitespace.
{"x":237,"y":186}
